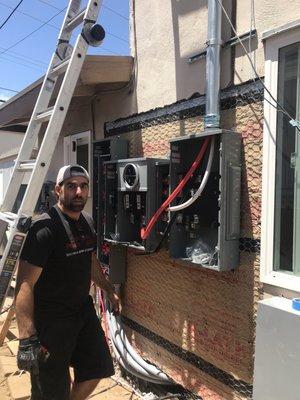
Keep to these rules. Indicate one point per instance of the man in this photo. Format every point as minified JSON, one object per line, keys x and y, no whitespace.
{"x":58,"y":326}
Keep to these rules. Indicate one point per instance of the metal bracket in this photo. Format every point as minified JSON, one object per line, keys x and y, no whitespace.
{"x":229,"y":43}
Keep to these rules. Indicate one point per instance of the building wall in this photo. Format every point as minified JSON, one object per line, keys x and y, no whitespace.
{"x":198,"y":325}
{"x":167,"y":33}
{"x":10,"y":141}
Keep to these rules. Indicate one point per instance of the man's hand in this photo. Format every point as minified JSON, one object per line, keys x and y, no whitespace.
{"x":30,"y":353}
{"x":115,"y":303}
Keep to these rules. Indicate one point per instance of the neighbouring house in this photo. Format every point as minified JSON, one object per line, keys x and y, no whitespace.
{"x":199,"y":325}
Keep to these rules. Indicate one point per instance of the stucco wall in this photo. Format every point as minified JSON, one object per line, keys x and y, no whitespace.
{"x":168,"y":32}
{"x":10,"y":141}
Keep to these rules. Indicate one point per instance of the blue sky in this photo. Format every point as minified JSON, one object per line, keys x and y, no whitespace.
{"x":28,"y":60}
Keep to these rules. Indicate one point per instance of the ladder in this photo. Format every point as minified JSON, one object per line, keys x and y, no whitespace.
{"x":66,"y":60}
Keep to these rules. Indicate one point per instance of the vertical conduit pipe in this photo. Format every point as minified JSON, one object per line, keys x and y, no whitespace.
{"x":214,"y":43}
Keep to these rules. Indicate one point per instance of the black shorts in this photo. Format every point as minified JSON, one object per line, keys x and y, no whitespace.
{"x":78,"y":342}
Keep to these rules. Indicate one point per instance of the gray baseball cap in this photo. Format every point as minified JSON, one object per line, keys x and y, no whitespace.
{"x":69,"y":171}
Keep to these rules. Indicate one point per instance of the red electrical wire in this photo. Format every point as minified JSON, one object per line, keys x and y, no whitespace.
{"x":146,"y":231}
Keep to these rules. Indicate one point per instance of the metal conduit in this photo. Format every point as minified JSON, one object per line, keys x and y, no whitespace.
{"x":214,"y":43}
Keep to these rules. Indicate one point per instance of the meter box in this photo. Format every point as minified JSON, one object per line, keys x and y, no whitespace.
{"x":207,"y":231}
{"x":135,"y":188}
{"x":104,"y":150}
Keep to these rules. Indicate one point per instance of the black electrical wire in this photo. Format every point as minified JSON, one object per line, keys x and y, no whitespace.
{"x":31,"y":33}
{"x":109,"y":33}
{"x":108,"y":8}
{"x":10,"y":90}
{"x":11,"y":14}
{"x":277,"y":105}
{"x":165,"y":233}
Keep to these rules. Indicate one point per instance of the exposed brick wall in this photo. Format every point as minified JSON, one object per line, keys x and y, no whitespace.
{"x":207,"y":313}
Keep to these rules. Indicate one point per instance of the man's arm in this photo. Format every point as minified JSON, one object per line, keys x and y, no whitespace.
{"x":28,"y":274}
{"x":99,"y":278}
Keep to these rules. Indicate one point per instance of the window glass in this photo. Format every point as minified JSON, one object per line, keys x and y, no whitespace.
{"x":287,"y":186}
{"x":82,"y":153}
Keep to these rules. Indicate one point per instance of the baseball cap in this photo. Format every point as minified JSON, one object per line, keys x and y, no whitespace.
{"x":69,"y":171}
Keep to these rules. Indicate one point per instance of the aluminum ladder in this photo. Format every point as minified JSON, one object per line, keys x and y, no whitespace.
{"x":66,"y":60}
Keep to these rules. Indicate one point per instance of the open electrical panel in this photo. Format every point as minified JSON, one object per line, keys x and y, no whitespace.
{"x":104,"y":150}
{"x":134,"y":190}
{"x":207,"y":231}
{"x":193,"y":198}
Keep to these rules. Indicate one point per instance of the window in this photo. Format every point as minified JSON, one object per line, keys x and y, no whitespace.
{"x":77,"y":150}
{"x":280,"y":257}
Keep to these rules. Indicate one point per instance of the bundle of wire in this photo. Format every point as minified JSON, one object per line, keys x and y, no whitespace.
{"x":146,"y":231}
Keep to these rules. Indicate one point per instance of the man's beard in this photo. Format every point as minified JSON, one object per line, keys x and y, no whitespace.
{"x":76,"y":204}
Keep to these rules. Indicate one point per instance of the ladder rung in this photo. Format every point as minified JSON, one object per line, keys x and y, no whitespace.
{"x":44,"y":115}
{"x":59,"y":69}
{"x":26,"y":165}
{"x":75,"y":21}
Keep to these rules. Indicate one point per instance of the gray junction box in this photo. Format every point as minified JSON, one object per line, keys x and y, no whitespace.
{"x":207,"y":232}
{"x":135,"y":188}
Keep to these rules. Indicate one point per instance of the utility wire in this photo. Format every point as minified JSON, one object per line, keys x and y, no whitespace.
{"x":10,"y":90}
{"x":33,"y":61}
{"x":109,"y":33}
{"x":23,"y":58}
{"x":29,"y":15}
{"x":277,"y":105}
{"x":108,"y":8}
{"x":116,"y":12}
{"x":11,"y":14}
{"x":32,"y":66}
{"x":31,"y":33}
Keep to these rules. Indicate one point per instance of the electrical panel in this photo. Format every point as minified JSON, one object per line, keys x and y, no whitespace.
{"x":104,"y":150}
{"x":207,"y":231}
{"x":135,"y":188}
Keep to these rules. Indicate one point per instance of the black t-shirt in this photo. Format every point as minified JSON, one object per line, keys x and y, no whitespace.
{"x":63,"y":286}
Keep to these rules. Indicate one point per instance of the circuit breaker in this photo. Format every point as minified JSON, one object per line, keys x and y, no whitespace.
{"x":135,"y":188}
{"x":104,"y":150}
{"x":207,"y":231}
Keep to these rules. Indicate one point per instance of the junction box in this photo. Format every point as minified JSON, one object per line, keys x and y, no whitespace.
{"x":135,"y":188}
{"x":207,"y":232}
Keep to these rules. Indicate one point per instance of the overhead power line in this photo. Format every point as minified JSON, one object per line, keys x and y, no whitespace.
{"x":33,"y":66}
{"x":31,"y":33}
{"x":54,"y":26}
{"x":109,"y":33}
{"x":22,"y":57}
{"x":276,"y":104}
{"x":10,"y":90}
{"x":116,"y":12}
{"x":108,"y":8}
{"x":29,"y":15}
{"x":11,"y":14}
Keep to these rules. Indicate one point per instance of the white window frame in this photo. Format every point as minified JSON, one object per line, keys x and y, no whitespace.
{"x":267,"y":274}
{"x":68,"y":156}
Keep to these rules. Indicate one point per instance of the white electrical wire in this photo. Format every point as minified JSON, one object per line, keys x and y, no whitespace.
{"x":203,"y":182}
{"x":128,"y":357}
{"x":277,"y":105}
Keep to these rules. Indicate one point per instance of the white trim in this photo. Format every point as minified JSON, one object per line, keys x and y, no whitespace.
{"x":281,"y":29}
{"x":70,"y":158}
{"x":267,"y":275}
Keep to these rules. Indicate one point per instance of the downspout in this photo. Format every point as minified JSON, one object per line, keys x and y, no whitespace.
{"x":214,"y":43}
